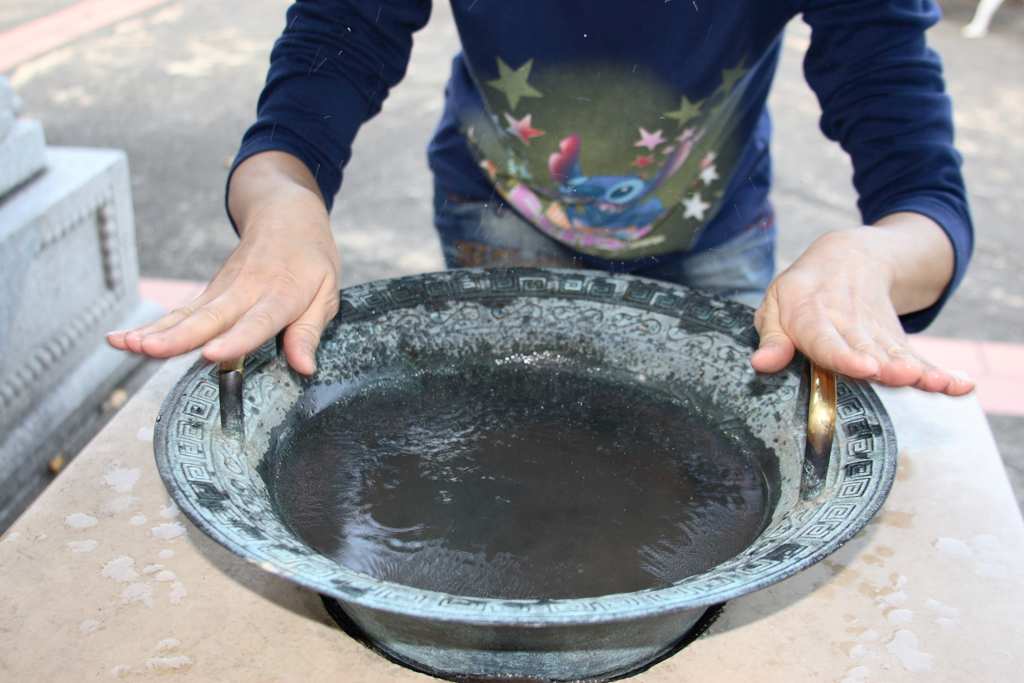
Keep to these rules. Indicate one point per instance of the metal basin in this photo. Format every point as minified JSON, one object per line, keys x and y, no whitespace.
{"x":689,"y":347}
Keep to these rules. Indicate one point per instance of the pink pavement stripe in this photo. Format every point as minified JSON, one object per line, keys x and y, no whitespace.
{"x":1005,"y":359}
{"x":170,"y":293}
{"x":1000,"y":396}
{"x":952,"y":354}
{"x":997,"y":369}
{"x":42,"y":35}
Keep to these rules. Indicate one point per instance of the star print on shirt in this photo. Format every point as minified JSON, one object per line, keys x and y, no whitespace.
{"x":522,"y":128}
{"x":649,"y":140}
{"x":643,"y":161}
{"x":513,"y":83}
{"x":730,"y":76}
{"x":687,"y":134}
{"x":686,"y":112}
{"x":695,"y":207}
{"x":709,"y":174}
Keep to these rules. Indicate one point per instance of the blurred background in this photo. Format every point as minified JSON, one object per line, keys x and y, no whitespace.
{"x":175,"y":84}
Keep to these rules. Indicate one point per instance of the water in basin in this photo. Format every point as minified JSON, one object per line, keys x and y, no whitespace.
{"x":519,"y":479}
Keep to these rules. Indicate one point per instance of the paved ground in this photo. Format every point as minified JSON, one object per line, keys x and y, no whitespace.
{"x":176,"y":86}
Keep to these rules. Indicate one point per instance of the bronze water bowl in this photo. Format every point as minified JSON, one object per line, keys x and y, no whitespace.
{"x":226,"y":448}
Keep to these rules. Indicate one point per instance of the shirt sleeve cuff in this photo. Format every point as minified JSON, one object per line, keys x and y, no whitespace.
{"x":956,"y":221}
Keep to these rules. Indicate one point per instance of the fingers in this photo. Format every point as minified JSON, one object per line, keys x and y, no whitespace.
{"x":835,"y":328}
{"x":273,"y":313}
{"x":869,"y":351}
{"x":191,"y":332}
{"x":131,"y":339}
{"x":857,"y":354}
{"x":776,"y":349}
{"x":190,"y":326}
{"x":898,"y":364}
{"x":938,"y":380}
{"x":232,"y":331}
{"x":811,"y":331}
{"x":831,"y":349}
{"x":960,"y":386}
{"x":303,"y":336}
{"x":232,"y":324}
{"x":244,"y":306}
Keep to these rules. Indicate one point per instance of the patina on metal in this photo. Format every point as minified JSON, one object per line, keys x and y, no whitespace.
{"x":690,"y":345}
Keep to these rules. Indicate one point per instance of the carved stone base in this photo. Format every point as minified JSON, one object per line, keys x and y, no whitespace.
{"x":63,"y":421}
{"x":22,"y":154}
{"x":69,"y":276}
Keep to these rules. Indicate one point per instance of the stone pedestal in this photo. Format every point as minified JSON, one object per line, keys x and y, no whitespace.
{"x":104,"y":579}
{"x":69,"y":275}
{"x":22,"y":154}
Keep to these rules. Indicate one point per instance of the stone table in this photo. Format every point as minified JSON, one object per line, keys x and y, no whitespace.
{"x":102,"y":578}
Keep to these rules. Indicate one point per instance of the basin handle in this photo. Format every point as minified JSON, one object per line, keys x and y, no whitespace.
{"x":232,"y":416}
{"x":279,"y":348}
{"x":821,"y":428}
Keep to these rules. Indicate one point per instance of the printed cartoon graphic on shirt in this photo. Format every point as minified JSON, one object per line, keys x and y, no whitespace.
{"x":622,"y":205}
{"x":606,"y":160}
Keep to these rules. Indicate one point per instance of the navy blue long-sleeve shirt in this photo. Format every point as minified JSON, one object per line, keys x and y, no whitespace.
{"x":629,"y":131}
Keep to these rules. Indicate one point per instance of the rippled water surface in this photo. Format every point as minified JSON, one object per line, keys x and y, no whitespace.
{"x":518,"y":480}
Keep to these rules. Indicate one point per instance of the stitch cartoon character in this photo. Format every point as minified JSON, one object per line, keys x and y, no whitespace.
{"x":605,"y":201}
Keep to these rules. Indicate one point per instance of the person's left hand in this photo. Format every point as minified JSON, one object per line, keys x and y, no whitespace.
{"x":839,"y":304}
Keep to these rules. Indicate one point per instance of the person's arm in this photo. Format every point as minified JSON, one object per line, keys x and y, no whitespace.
{"x":883,"y":99}
{"x":840,"y":303}
{"x":330,"y":71}
{"x":284,"y":273}
{"x":849,"y":299}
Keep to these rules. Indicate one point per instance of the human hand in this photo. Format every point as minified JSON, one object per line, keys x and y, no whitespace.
{"x":284,"y":274}
{"x":840,"y":302}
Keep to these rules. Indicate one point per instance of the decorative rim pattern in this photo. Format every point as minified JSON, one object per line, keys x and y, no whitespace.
{"x":212,"y":479}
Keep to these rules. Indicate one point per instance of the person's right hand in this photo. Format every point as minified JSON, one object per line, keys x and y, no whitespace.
{"x":284,"y":274}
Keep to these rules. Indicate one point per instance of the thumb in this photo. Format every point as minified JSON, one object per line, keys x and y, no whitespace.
{"x":302,"y":336}
{"x":776,"y":349}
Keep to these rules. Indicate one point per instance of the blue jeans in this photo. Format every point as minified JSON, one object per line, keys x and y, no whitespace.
{"x":489,"y":234}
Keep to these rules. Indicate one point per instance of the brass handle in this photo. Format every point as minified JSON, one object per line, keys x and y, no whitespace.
{"x":232,"y":417}
{"x":821,"y":428}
